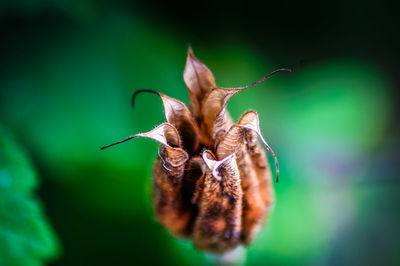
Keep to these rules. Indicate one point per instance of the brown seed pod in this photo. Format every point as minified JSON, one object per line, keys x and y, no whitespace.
{"x":211,"y":179}
{"x":219,"y":222}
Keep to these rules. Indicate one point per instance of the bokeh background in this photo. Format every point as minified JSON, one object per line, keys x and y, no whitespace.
{"x":67,"y":73}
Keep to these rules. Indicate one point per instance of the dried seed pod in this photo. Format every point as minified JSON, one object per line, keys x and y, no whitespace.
{"x":211,"y":181}
{"x":218,"y":225}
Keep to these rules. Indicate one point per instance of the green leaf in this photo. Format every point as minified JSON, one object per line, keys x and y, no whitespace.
{"x":26,"y":237}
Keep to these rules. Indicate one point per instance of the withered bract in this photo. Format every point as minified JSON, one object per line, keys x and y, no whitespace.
{"x":211,"y":178}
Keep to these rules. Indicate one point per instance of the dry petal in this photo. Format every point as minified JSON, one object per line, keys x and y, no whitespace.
{"x":170,"y":207}
{"x":218,"y":225}
{"x":177,"y":114}
{"x":255,"y":204}
{"x":214,"y":165}
{"x":251,"y":121}
{"x":199,"y":80}
{"x":172,"y":155}
{"x":230,"y":142}
{"x":165,"y":134}
{"x":260,"y":165}
{"x":214,"y":114}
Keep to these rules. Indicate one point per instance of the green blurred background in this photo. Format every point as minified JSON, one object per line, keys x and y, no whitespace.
{"x":68,"y":70}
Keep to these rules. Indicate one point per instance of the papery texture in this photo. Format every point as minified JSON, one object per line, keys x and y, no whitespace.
{"x":211,"y":180}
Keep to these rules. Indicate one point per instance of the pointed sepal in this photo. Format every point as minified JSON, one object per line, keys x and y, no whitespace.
{"x":199,"y":81}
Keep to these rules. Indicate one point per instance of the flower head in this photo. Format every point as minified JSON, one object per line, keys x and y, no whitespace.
{"x":211,"y":179}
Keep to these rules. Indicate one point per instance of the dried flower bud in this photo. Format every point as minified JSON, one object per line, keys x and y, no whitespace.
{"x":211,"y":179}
